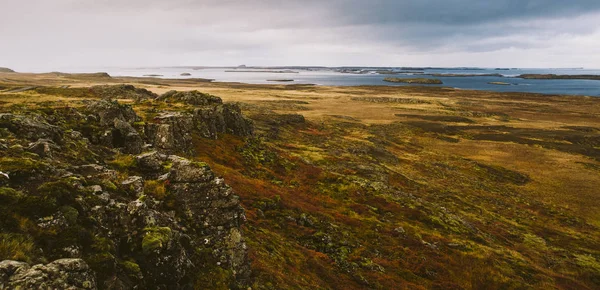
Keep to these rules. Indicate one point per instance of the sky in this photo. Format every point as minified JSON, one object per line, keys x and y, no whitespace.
{"x":47,"y":35}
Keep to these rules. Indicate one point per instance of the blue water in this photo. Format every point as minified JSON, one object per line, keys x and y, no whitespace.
{"x":330,"y":77}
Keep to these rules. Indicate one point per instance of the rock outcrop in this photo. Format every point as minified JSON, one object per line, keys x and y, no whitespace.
{"x":112,"y":216}
{"x":171,"y":132}
{"x":191,"y":98}
{"x":227,"y":118}
{"x":116,"y":122}
{"x":30,"y":127}
{"x":60,"y":274}
{"x":123,"y":92}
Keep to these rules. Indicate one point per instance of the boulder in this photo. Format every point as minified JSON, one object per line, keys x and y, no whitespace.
{"x":43,"y":148}
{"x":150,"y":162}
{"x":31,"y":127}
{"x":107,"y":111}
{"x":123,"y":92}
{"x":171,"y":132}
{"x":60,"y":274}
{"x":227,"y":118}
{"x":126,"y":137}
{"x":191,"y":98}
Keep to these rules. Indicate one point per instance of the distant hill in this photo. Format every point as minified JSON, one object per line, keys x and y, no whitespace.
{"x":6,"y":70}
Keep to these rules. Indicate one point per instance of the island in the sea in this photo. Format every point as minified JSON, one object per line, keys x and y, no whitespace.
{"x":559,"y":77}
{"x":421,"y":81}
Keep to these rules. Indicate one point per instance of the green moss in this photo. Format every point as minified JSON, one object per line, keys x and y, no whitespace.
{"x":199,"y":164}
{"x":155,"y":238}
{"x":214,"y":278}
{"x":132,"y":269}
{"x":123,"y":162}
{"x":101,"y":244}
{"x":70,"y":214}
{"x":20,"y":166}
{"x":108,"y":185}
{"x":155,"y":188}
{"x":9,"y":195}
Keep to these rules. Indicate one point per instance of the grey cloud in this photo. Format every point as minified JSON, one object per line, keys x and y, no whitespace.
{"x":45,"y":33}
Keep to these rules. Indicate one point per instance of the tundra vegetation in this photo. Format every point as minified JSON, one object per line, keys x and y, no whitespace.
{"x":342,"y":187}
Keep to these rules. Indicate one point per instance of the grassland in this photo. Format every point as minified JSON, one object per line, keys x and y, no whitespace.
{"x":397,"y":187}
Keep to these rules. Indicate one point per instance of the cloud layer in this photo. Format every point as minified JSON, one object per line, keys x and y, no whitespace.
{"x":48,"y":35}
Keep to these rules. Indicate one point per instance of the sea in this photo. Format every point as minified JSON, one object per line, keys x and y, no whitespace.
{"x":372,"y":76}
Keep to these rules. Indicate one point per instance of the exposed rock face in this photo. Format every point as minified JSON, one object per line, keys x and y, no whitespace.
{"x":60,"y":274}
{"x":206,"y":201}
{"x":29,"y":127}
{"x":43,"y":148}
{"x":151,"y":221}
{"x":226,"y":118}
{"x":195,"y":226}
{"x":107,"y":111}
{"x":171,"y":133}
{"x":123,"y":92}
{"x":117,"y":120}
{"x":190,"y":98}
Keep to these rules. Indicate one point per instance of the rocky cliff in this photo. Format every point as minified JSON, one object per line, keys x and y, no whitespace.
{"x":99,"y":190}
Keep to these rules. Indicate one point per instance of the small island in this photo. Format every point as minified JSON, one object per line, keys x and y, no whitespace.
{"x":559,"y":77}
{"x":264,"y":71}
{"x":499,"y":83}
{"x":421,"y":81}
{"x":466,"y":75}
{"x":185,"y":74}
{"x":281,"y":80}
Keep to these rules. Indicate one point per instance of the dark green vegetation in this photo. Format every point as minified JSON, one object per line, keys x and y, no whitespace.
{"x":354,"y":188}
{"x":421,"y":81}
{"x":559,"y":77}
{"x":6,"y":70}
{"x":466,"y":75}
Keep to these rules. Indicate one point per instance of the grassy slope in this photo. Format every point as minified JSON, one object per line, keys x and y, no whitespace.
{"x":458,"y":190}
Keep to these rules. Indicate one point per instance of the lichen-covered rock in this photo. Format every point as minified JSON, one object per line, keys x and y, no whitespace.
{"x":116,"y":130}
{"x":150,"y":162}
{"x":126,"y":137}
{"x":43,"y":148}
{"x":29,"y":127}
{"x":172,"y":132}
{"x":106,"y":111}
{"x":123,"y":92}
{"x":209,"y":207}
{"x":60,"y":274}
{"x":226,"y":118}
{"x":168,"y":232}
{"x":191,"y":98}
{"x":150,"y":221}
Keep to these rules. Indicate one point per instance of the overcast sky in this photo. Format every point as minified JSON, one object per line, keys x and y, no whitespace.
{"x":56,"y":34}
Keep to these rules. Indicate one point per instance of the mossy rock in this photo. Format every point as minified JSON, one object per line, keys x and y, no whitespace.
{"x":9,"y":196}
{"x":156,"y":238}
{"x":20,"y":169}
